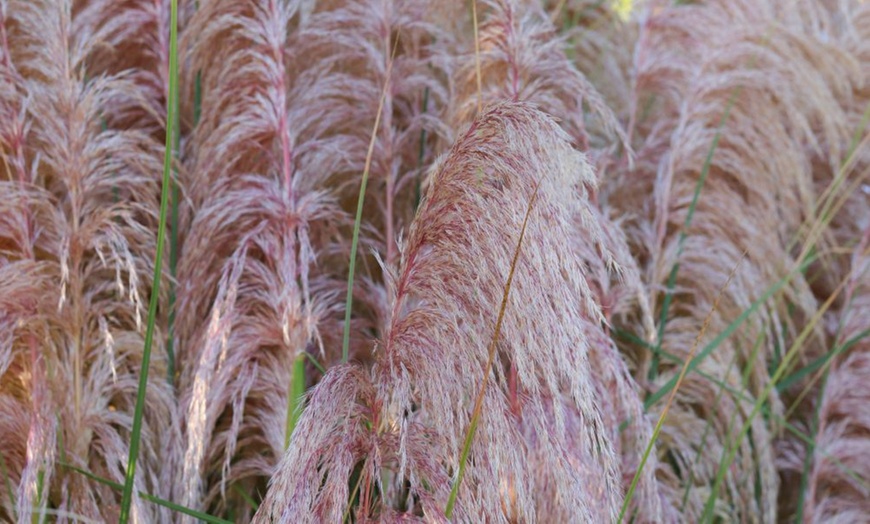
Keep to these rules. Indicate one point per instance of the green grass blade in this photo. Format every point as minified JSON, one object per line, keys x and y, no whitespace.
{"x":345,"y":342}
{"x":708,"y":349}
{"x":679,"y":379}
{"x":810,"y":452}
{"x":197,"y":98}
{"x":178,"y":508}
{"x":463,"y":459}
{"x":477,"y":69}
{"x":353,"y":495}
{"x":41,"y":504}
{"x":294,"y":397}
{"x":173,"y":260}
{"x":829,"y":209}
{"x":684,"y":233}
{"x":732,"y":327}
{"x":741,"y":396}
{"x":731,"y":450}
{"x":820,"y":362}
{"x":421,"y":152}
{"x":173,"y":264}
{"x":10,"y":492}
{"x":205,"y":517}
{"x":707,"y":428}
{"x":172,"y":110}
{"x":825,"y":362}
{"x":744,"y":379}
{"x":249,"y":500}
{"x":856,"y":136}
{"x":315,"y":363}
{"x":851,"y":473}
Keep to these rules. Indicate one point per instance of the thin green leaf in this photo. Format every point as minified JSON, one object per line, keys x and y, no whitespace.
{"x":197,"y":98}
{"x":810,"y":451}
{"x":172,"y":110}
{"x":731,"y":450}
{"x":741,"y":396}
{"x":178,"y":508}
{"x":353,"y":496}
{"x":41,"y":503}
{"x":10,"y":492}
{"x":684,"y":233}
{"x":145,"y":496}
{"x":421,"y":153}
{"x":820,"y":362}
{"x":295,"y":397}
{"x":345,"y":343}
{"x":732,"y":327}
{"x":478,"y":75}
{"x":829,"y":209}
{"x":707,"y":428}
{"x":173,"y":261}
{"x":247,"y":498}
{"x":679,"y":379}
{"x":315,"y":363}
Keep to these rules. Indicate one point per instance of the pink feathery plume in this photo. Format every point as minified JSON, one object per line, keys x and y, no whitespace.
{"x":429,"y":363}
{"x":252,"y":302}
{"x":85,"y":200}
{"x":837,"y":487}
{"x":700,"y":62}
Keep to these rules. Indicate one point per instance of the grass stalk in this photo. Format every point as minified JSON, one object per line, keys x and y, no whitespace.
{"x":295,"y":397}
{"x":478,"y":74}
{"x":249,"y":500}
{"x":791,"y":354}
{"x":173,"y":260}
{"x":345,"y":342}
{"x":810,"y":452}
{"x":172,"y":110}
{"x":204,"y":517}
{"x":679,"y":381}
{"x":478,"y":404}
{"x":707,"y":428}
{"x":741,"y":396}
{"x":684,"y":233}
{"x":727,"y":332}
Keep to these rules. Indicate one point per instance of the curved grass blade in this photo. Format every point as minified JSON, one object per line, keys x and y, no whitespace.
{"x":205,"y":517}
{"x":684,"y":233}
{"x":173,"y":261}
{"x":811,"y":450}
{"x":477,"y":57}
{"x":478,"y":404}
{"x":249,"y":500}
{"x":345,"y":342}
{"x":814,"y":422}
{"x":791,"y":354}
{"x":830,"y":206}
{"x":679,"y":380}
{"x":820,"y":362}
{"x":732,"y":327}
{"x":172,"y":110}
{"x":708,"y":426}
{"x":295,"y":397}
{"x":8,"y":483}
{"x":740,"y":395}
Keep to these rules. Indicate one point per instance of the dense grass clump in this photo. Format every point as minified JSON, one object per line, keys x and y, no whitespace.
{"x":417,"y":261}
